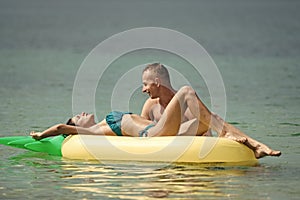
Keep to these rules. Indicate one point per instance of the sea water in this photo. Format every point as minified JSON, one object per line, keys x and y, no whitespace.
{"x":255,"y":45}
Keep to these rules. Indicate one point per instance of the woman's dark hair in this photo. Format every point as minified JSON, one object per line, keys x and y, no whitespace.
{"x":70,"y":122}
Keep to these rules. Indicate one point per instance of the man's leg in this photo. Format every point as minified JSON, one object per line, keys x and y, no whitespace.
{"x":209,"y":120}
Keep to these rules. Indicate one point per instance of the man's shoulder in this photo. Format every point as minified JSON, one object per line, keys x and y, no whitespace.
{"x":152,"y":101}
{"x":150,"y":104}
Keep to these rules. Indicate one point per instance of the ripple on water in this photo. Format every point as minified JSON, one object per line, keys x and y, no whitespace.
{"x":148,"y":180}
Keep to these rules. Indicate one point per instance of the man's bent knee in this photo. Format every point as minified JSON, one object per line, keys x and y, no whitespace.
{"x":187,"y":90}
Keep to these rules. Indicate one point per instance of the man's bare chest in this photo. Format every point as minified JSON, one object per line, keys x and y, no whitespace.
{"x":156,"y":112}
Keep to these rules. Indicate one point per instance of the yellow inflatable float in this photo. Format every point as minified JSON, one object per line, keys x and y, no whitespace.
{"x":187,"y":149}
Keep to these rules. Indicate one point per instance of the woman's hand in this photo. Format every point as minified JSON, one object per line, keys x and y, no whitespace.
{"x":36,"y":135}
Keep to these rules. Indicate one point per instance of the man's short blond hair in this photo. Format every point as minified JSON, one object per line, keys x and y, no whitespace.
{"x":159,"y":70}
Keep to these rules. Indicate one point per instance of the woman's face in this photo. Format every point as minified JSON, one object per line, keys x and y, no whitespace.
{"x":84,"y":120}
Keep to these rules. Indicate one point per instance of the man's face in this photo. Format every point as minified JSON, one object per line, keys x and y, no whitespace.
{"x":150,"y":85}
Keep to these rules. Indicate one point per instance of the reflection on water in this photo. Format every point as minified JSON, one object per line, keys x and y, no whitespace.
{"x":34,"y":171}
{"x":36,"y":175}
{"x":133,"y":180}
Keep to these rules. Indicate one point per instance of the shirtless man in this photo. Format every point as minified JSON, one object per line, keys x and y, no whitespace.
{"x":156,"y":83}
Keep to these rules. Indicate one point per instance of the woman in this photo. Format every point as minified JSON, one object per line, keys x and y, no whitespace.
{"x":124,"y":124}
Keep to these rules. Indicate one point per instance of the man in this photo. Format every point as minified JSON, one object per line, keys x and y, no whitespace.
{"x":156,"y":83}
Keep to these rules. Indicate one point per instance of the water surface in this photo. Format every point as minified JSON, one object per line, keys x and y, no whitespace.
{"x":255,"y":45}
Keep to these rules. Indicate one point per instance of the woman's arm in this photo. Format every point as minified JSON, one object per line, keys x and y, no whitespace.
{"x":54,"y":131}
{"x":98,"y":129}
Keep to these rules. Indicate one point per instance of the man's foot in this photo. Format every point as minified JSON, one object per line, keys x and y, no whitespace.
{"x":262,"y":151}
{"x":235,"y":137}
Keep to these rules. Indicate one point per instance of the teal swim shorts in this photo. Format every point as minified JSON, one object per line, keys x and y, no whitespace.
{"x":114,"y":119}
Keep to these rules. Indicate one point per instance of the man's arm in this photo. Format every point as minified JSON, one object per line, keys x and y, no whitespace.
{"x":147,"y":109}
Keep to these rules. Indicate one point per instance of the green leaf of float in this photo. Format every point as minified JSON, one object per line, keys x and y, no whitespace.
{"x":51,"y":146}
{"x":6,"y":140}
{"x":21,"y":142}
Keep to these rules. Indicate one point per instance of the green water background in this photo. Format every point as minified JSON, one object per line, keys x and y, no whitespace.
{"x":255,"y":44}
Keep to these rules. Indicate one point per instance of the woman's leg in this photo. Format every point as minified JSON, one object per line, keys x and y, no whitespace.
{"x":170,"y":121}
{"x":184,"y":99}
